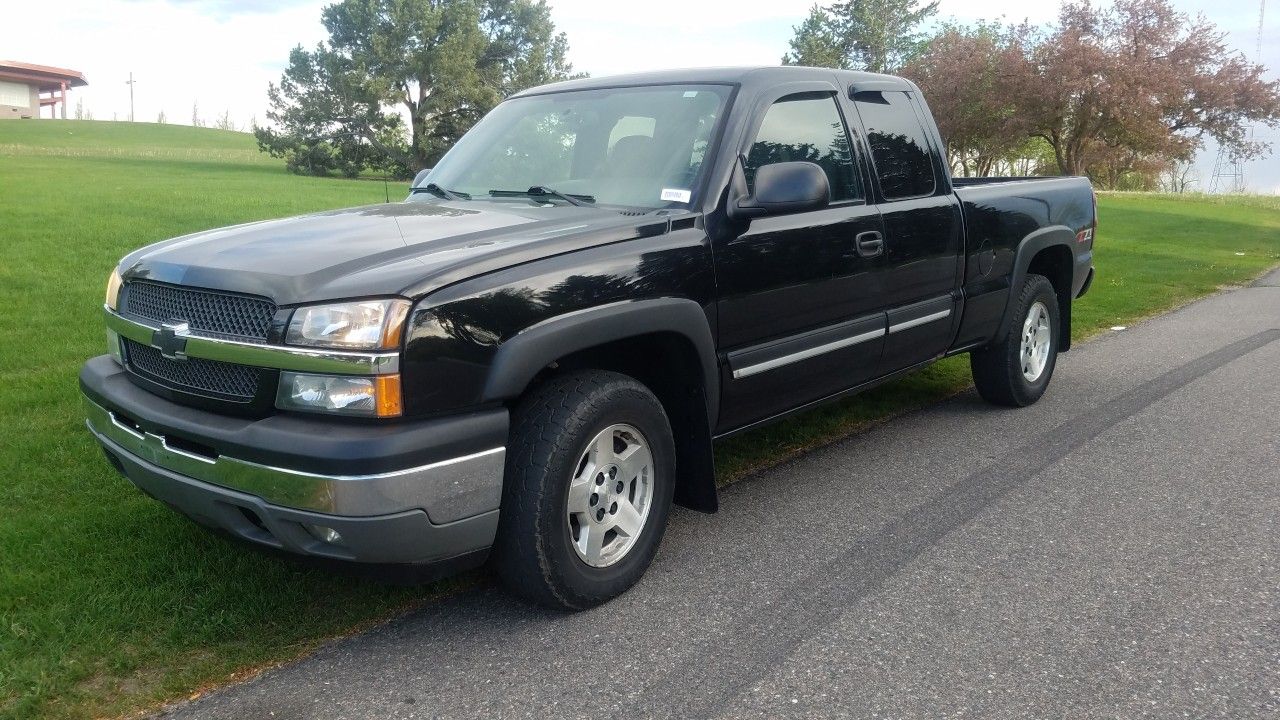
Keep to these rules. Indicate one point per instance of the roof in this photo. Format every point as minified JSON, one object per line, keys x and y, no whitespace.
{"x":45,"y":77}
{"x":729,"y":76}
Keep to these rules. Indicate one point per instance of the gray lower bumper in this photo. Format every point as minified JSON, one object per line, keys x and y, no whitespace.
{"x":416,"y":491}
{"x":428,"y":487}
{"x":403,"y":537}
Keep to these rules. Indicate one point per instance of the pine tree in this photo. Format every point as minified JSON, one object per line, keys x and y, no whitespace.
{"x":874,"y":35}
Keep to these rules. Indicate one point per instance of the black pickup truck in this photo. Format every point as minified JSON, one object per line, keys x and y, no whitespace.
{"x":528,"y":360}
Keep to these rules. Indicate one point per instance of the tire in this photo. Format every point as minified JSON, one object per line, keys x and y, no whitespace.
{"x":999,"y":371}
{"x":562,"y":435}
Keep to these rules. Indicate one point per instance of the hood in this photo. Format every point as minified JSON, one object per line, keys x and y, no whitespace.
{"x":392,"y":249}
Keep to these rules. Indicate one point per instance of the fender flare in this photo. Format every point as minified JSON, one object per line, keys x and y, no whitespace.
{"x":523,"y":356}
{"x":1027,"y":249}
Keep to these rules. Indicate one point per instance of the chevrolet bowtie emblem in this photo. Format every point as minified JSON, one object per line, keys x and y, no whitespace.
{"x":171,"y":340}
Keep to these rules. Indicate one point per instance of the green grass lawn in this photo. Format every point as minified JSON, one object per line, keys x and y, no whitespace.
{"x":110,"y":602}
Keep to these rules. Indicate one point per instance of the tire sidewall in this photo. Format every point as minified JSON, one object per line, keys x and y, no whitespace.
{"x":619,"y":403}
{"x":1039,"y":289}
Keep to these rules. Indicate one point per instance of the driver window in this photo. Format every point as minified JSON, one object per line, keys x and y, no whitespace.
{"x":808,"y":128}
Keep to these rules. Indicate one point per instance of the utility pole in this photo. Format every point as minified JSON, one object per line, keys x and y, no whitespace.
{"x":130,"y":83}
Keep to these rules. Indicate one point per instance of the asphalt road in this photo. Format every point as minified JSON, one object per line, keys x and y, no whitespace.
{"x":1111,"y":552}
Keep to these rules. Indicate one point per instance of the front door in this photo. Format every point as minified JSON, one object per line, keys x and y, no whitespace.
{"x":799,"y":309}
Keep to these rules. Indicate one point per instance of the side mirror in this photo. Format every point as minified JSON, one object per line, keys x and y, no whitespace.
{"x":781,"y":188}
{"x":420,"y":177}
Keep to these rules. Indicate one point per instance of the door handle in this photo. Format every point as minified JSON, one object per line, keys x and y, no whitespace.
{"x":870,"y":244}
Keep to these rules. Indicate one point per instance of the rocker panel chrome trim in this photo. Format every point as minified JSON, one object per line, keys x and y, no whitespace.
{"x":806,"y":354}
{"x":907,"y":325}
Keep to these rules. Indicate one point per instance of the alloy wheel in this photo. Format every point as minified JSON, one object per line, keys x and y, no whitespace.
{"x":610,"y":495}
{"x":1036,"y":338}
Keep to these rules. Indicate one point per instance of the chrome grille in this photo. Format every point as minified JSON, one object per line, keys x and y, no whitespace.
{"x":225,"y":381}
{"x":207,"y":312}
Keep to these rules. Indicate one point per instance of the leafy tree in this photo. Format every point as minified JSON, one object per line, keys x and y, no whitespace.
{"x":973,"y":78}
{"x":161,"y":119}
{"x":441,"y":64}
{"x":1120,"y":93}
{"x":1131,"y":87}
{"x":875,"y":35}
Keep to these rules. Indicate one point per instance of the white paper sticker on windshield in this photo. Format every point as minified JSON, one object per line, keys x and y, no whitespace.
{"x":676,"y":195}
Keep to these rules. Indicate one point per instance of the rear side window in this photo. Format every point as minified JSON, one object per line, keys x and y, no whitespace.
{"x":898,"y":145}
{"x":808,"y":128}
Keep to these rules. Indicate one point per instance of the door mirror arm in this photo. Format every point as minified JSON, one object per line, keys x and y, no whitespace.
{"x":738,"y":194}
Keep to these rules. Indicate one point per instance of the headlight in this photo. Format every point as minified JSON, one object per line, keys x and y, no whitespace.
{"x":361,"y":325}
{"x":374,"y":396}
{"x":113,"y":290}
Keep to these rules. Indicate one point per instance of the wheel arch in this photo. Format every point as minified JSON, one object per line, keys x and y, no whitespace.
{"x":1046,"y":252}
{"x":664,"y":343}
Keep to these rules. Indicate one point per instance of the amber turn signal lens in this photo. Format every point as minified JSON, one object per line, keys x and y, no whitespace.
{"x":387,"y":396}
{"x":393,"y":327}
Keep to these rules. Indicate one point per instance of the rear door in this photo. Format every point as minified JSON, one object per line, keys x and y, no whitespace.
{"x":798,"y":310}
{"x":923,"y":230}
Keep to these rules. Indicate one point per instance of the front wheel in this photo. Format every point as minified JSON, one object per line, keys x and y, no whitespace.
{"x":589,"y":481}
{"x":1016,"y":371}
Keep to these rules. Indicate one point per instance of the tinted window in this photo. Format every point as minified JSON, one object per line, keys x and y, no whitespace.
{"x":809,"y":128}
{"x":898,"y":144}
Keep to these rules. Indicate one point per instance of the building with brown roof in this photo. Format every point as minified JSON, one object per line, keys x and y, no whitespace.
{"x":26,"y":88}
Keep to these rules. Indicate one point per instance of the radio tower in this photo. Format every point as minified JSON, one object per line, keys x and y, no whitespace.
{"x":1262,"y":12}
{"x":1228,"y":171}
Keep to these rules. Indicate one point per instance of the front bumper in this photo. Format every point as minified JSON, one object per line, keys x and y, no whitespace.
{"x":407,"y":492}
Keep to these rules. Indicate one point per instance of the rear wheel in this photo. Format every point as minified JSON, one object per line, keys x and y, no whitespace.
{"x":1016,"y":371}
{"x":589,"y":480}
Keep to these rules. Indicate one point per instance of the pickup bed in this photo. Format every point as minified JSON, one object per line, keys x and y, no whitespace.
{"x":528,"y":360}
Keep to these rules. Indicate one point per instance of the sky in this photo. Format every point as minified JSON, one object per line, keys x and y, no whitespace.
{"x":221,"y":54}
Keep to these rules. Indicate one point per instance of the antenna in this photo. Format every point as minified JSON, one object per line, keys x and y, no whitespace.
{"x":1228,"y":171}
{"x":1262,"y":13}
{"x":1228,"y":174}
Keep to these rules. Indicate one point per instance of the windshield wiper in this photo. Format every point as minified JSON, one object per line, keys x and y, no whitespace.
{"x":438,"y":191}
{"x":544,"y":191}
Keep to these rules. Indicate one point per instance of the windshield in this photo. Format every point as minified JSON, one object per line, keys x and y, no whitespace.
{"x":636,"y":147}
